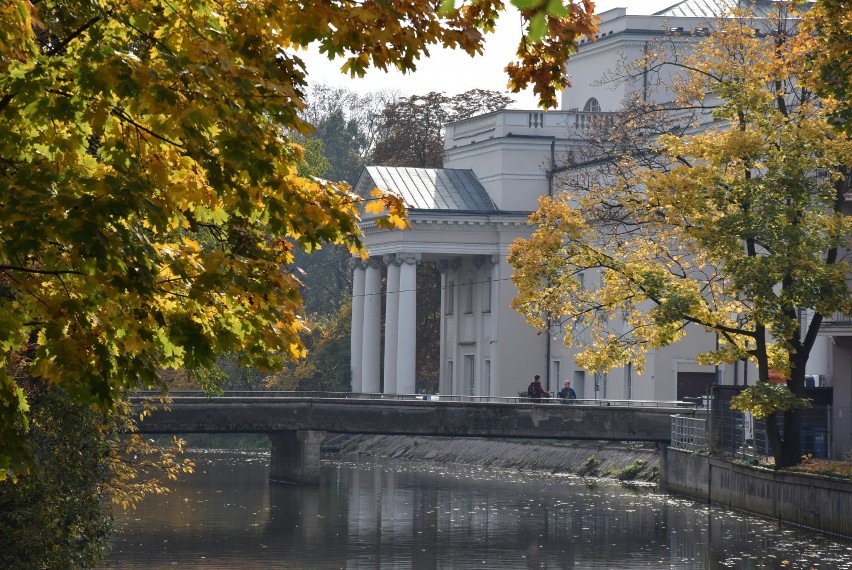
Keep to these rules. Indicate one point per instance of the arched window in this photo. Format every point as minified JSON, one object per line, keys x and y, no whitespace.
{"x":592,"y":106}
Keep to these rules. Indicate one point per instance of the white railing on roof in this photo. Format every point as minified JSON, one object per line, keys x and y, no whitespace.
{"x":837,"y":320}
{"x":510,"y":122}
{"x":475,"y":126}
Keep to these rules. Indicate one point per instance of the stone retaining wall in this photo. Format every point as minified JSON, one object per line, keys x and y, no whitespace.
{"x":635,"y":462}
{"x":812,"y":501}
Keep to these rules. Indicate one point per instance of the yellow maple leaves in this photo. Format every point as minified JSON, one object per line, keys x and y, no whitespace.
{"x":388,"y":209}
{"x":149,"y":197}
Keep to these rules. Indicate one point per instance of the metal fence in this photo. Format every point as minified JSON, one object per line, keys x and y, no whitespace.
{"x":689,"y":434}
{"x":739,"y":434}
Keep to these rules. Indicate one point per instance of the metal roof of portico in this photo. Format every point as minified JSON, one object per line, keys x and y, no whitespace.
{"x":443,"y":189}
{"x":716,"y":8}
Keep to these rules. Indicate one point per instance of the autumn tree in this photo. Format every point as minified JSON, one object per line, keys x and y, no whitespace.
{"x":131,"y":132}
{"x":327,"y":366}
{"x":364,"y":109}
{"x":325,"y":272}
{"x":412,"y":128}
{"x":719,"y":208}
{"x":59,"y":516}
{"x":829,"y":28}
{"x":343,"y":145}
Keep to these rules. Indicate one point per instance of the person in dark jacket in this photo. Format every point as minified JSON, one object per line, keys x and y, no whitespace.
{"x":535,"y":390}
{"x":568,"y":393}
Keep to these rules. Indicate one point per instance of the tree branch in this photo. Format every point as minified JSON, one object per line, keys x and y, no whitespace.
{"x":118,"y":113}
{"x":40,"y":271}
{"x":75,"y":34}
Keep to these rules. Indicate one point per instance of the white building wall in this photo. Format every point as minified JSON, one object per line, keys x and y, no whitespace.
{"x":520,"y":350}
{"x":625,"y":38}
{"x":510,"y":153}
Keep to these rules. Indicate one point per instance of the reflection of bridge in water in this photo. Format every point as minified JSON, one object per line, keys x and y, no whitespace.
{"x":297,"y":422}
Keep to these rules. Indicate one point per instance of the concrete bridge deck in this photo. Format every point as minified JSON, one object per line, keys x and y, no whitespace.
{"x":297,"y":423}
{"x":509,"y":418}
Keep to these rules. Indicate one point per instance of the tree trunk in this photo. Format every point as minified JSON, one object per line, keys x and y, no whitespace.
{"x":787,"y":451}
{"x":792,"y":448}
{"x":774,"y":437}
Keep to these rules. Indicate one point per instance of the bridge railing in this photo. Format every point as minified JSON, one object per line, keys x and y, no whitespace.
{"x":178,"y":394}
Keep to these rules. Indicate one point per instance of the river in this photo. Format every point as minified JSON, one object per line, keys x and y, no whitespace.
{"x":370,"y":513}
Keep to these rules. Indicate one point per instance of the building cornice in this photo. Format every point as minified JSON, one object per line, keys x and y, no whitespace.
{"x":419,"y":222}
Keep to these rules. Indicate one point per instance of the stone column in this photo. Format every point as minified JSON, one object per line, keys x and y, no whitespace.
{"x":391,"y":323}
{"x":370,"y":354}
{"x":442,"y":356}
{"x":357,"y":330}
{"x":407,"y":342}
{"x":449,"y":350}
{"x":296,"y":456}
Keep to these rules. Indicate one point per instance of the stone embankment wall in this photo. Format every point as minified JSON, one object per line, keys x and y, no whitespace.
{"x":812,"y":501}
{"x":626,"y":462}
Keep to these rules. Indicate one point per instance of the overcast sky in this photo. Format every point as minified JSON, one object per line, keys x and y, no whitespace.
{"x":454,"y":72}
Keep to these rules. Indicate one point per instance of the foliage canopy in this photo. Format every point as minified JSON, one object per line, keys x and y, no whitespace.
{"x":131,"y":133}
{"x":412,"y":128}
{"x":59,"y":516}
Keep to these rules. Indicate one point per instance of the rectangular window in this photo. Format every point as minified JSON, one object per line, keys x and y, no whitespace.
{"x":468,"y":297}
{"x":486,"y":295}
{"x":470,"y":374}
{"x":486,"y":378}
{"x":450,"y":377}
{"x":600,"y":385}
{"x":451,"y":297}
{"x":557,"y":374}
{"x":579,"y":383}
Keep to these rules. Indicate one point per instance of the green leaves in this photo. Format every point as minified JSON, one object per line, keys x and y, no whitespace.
{"x":541,"y":11}
{"x":765,"y":398}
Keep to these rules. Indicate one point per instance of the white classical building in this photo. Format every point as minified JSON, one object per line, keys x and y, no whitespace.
{"x":466,"y":215}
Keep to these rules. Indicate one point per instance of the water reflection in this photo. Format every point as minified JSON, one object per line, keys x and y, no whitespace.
{"x":385,"y":514}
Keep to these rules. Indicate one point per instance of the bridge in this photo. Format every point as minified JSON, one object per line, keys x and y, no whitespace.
{"x":297,"y":423}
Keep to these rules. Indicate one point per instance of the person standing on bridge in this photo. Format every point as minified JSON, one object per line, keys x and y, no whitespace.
{"x":568,"y":393}
{"x":535,"y":390}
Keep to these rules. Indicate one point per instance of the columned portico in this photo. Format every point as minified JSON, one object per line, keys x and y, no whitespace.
{"x":400,"y":330}
{"x":455,"y":225}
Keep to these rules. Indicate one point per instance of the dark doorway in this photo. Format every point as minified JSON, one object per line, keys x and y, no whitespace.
{"x":694,"y":384}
